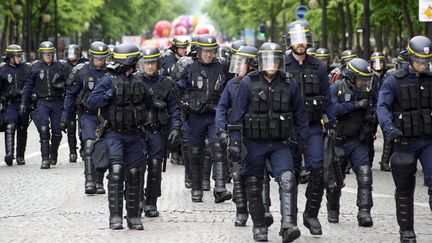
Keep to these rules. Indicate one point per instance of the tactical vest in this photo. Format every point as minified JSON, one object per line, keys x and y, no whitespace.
{"x":13,"y":82}
{"x":270,"y":111}
{"x":412,"y":109}
{"x":158,"y":119}
{"x":127,"y":110}
{"x":48,"y":82}
{"x":310,"y":86}
{"x":205,"y":91}
{"x":349,"y":124}
{"x":89,"y":82}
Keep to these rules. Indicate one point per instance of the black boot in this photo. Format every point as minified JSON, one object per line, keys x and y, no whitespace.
{"x":132,"y":199}
{"x":220,"y":193}
{"x":141,"y":189}
{"x":256,"y":207}
{"x":99,"y":176}
{"x":196,"y":174}
{"x":207,"y":163}
{"x":314,"y":194}
{"x":45,"y":147}
{"x":55,"y":143}
{"x":153,"y":189}
{"x":333,"y":205}
{"x":175,"y":158}
{"x":186,"y":159}
{"x":288,"y":197}
{"x":89,"y":170}
{"x":364,"y":195}
{"x":72,"y":141}
{"x":266,"y":199}
{"x":10,"y":143}
{"x":405,"y":215}
{"x":115,"y":196}
{"x":239,"y":198}
{"x":21,"y":145}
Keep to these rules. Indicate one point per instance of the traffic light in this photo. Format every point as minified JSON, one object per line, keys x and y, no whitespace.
{"x":262,"y":31}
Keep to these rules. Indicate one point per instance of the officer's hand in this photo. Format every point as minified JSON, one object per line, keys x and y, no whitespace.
{"x":159,"y":104}
{"x":22,"y":109}
{"x":361,"y":104}
{"x":223,"y":139}
{"x":235,"y":151}
{"x":394,"y":134}
{"x":63,"y":125}
{"x":173,"y":135}
{"x":109,"y":94}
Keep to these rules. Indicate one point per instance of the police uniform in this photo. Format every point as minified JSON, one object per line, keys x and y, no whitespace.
{"x":12,"y":79}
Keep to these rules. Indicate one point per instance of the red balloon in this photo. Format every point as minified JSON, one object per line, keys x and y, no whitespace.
{"x":162,"y":29}
{"x":202,"y":30}
{"x":180,"y":30}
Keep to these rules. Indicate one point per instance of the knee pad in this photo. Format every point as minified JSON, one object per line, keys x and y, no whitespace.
{"x":44,"y":133}
{"x":253,"y":185}
{"x":364,"y":176}
{"x":195,"y":152}
{"x":11,"y":127}
{"x":117,"y":172}
{"x":403,"y":163}
{"x":288,"y":181}
{"x":133,"y":172}
{"x":155,"y":166}
{"x":88,"y":147}
{"x":218,"y":151}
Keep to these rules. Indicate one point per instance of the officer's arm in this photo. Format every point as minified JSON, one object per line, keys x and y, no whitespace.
{"x":2,"y":82}
{"x":386,"y":97}
{"x":240,"y":105}
{"x":184,"y":82}
{"x":28,"y":87}
{"x":100,"y":97}
{"x":222,"y":108}
{"x":173,"y":111}
{"x":325,"y":87}
{"x":300,"y":115}
{"x":338,"y":109}
{"x":72,"y":92}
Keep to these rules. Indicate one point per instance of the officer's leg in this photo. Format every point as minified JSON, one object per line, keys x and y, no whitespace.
{"x":240,"y":200}
{"x":55,"y":116}
{"x":115,"y":193}
{"x":266,"y":196}
{"x":21,"y":144}
{"x":185,"y":151}
{"x":360,"y":162}
{"x":99,"y":177}
{"x":72,"y":141}
{"x":153,"y":189}
{"x":404,"y":167}
{"x":44,"y":135}
{"x":425,"y":158}
{"x":132,"y":198}
{"x":89,"y":169}
{"x":196,"y":135}
{"x":9,"y":143}
{"x":220,"y":192}
{"x":206,"y":167}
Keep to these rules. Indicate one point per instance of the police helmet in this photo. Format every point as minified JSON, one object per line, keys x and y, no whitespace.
{"x":46,"y":47}
{"x":13,"y":50}
{"x":347,"y":56}
{"x":358,"y":68}
{"x":271,"y":56}
{"x":207,"y":42}
{"x":180,"y":42}
{"x":245,"y":55}
{"x":235,"y":45}
{"x":311,"y":51}
{"x":377,"y":61}
{"x":126,"y":54}
{"x":299,"y":32}
{"x":98,"y":49}
{"x":420,"y":49}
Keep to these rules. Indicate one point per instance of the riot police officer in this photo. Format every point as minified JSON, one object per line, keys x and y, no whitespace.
{"x":83,"y":78}
{"x":313,"y":82}
{"x":404,"y":115}
{"x":73,"y":58}
{"x":271,"y":109}
{"x":158,"y":121}
{"x":203,"y":84}
{"x":177,"y":50}
{"x":323,"y":55}
{"x":47,"y":82}
{"x":311,"y":51}
{"x":13,"y":74}
{"x":350,"y":102}
{"x":345,"y":57}
{"x":124,"y":102}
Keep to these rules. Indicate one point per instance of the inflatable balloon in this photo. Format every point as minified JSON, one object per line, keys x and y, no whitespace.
{"x":162,"y":29}
{"x":201,"y":30}
{"x":180,"y":30}
{"x":194,"y":21}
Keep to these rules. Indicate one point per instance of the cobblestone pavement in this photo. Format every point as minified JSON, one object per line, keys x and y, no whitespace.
{"x":50,"y":206}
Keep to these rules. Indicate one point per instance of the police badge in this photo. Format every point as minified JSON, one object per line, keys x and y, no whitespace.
{"x":90,"y":83}
{"x":200,"y":83}
{"x":347,"y":97}
{"x":10,"y":78}
{"x":41,"y":74}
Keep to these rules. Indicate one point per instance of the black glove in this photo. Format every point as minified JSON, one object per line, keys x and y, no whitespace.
{"x":22,"y":109}
{"x":223,"y":139}
{"x":173,"y":135}
{"x":234,"y":151}
{"x":63,"y":125}
{"x":361,"y":104}
{"x":394,"y":134}
{"x":159,"y":104}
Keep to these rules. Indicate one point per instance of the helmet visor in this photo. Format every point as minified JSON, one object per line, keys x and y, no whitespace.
{"x":238,"y":64}
{"x":72,"y":53}
{"x":271,"y":61}
{"x":300,"y":35}
{"x":377,"y":64}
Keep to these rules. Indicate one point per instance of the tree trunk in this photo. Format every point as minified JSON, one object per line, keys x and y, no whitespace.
{"x":341,"y":16}
{"x":379,"y":38}
{"x":5,"y":35}
{"x":407,"y":19}
{"x":350,"y":26}
{"x":366,"y":29}
{"x":324,"y":24}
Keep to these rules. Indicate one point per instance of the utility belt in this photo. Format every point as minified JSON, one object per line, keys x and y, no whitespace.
{"x":414,"y":123}
{"x":262,"y":127}
{"x":84,"y":110}
{"x":50,"y":99}
{"x":315,"y":107}
{"x":155,"y":127}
